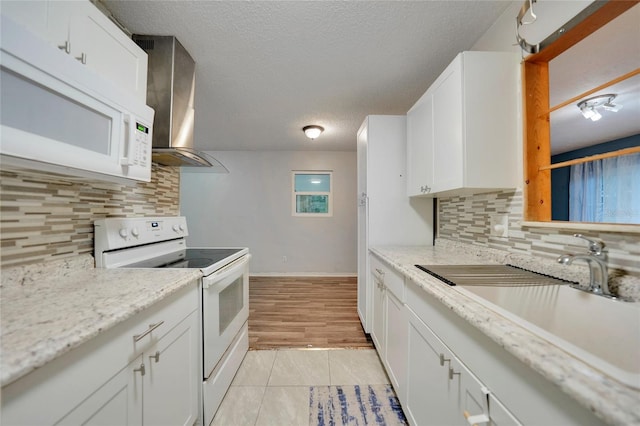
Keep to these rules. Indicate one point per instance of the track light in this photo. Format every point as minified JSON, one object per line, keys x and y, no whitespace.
{"x":588,"y":107}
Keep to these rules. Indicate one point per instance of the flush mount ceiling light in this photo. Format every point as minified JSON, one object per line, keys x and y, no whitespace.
{"x":588,"y":106}
{"x":312,"y":132}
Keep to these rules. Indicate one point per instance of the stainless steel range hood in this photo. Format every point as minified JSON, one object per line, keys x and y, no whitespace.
{"x":171,"y":81}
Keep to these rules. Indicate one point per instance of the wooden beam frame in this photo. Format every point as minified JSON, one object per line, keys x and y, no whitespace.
{"x":537,"y":134}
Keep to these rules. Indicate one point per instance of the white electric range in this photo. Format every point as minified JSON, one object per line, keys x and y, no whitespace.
{"x":160,"y":242}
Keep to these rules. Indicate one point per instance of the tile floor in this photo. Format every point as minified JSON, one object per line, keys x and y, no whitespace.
{"x":272,"y":386}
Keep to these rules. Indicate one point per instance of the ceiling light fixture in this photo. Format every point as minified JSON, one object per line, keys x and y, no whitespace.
{"x":588,"y":106}
{"x":313,"y":131}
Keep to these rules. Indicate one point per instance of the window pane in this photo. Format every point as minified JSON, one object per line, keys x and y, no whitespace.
{"x":312,"y":204}
{"x":312,"y":182}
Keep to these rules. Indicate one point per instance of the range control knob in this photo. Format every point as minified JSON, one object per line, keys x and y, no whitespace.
{"x":135,"y":232}
{"x":123,"y":232}
{"x":181,"y":228}
{"x":175,"y":227}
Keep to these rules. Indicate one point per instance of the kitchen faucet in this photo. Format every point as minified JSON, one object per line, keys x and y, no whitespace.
{"x":597,"y":260}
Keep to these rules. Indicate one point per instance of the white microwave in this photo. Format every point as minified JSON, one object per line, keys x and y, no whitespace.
{"x":58,"y":115}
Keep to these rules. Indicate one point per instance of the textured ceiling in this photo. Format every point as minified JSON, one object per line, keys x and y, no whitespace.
{"x":266,"y":69}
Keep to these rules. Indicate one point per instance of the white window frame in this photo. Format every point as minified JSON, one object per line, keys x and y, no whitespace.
{"x":294,"y":212}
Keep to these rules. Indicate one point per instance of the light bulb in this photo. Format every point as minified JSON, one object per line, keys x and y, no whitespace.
{"x":312,"y":132}
{"x":612,"y":107}
{"x":587,"y":112}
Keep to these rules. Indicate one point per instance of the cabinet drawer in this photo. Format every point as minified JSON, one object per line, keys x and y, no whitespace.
{"x":392,"y":279}
{"x":151,"y":325}
{"x":61,"y":385}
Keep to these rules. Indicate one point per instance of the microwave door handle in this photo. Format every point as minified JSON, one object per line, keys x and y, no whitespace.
{"x":225,"y":272}
{"x":127,"y":123}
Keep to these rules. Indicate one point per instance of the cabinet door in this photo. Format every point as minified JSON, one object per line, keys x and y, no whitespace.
{"x":471,"y":400}
{"x":117,"y":402}
{"x":171,"y":382}
{"x":447,"y":131}
{"x":104,"y":48}
{"x":420,"y":147}
{"x":60,"y":15}
{"x":364,"y":284}
{"x":428,"y":384}
{"x":499,"y":415}
{"x":377,"y":313}
{"x":396,"y":344}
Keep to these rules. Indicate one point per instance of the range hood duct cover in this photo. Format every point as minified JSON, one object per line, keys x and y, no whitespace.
{"x":171,"y":82}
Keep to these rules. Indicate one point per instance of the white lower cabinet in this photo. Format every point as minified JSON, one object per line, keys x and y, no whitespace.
{"x":389,"y":325}
{"x":441,"y":390}
{"x":170,"y":384}
{"x":456,"y":375}
{"x":433,"y":384}
{"x":157,"y":388}
{"x":378,"y":312}
{"x":143,"y":371}
{"x":117,"y":402}
{"x":396,"y":336}
{"x":428,"y":385}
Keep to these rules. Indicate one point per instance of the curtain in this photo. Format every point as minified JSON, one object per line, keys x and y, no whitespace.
{"x":606,"y":190}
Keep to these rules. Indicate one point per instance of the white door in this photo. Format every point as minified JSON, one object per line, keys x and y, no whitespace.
{"x":378,"y":311}
{"x":172,"y":377}
{"x":225,"y":308}
{"x":447,"y":130}
{"x":428,"y":385}
{"x":363,"y":224}
{"x":420,"y":147}
{"x":117,"y":402}
{"x":396,"y":335}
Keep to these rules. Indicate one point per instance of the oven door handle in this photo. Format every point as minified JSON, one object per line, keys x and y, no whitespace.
{"x":223,"y":273}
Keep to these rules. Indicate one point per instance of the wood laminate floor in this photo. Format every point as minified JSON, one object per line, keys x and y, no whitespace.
{"x":304,"y":312}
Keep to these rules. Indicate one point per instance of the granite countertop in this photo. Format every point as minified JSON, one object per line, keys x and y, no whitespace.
{"x":50,"y":308}
{"x":610,"y":400}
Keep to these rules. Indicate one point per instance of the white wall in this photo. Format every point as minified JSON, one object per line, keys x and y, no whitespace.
{"x":251,"y":207}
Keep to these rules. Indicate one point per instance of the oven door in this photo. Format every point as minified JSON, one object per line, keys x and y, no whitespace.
{"x":225,"y":309}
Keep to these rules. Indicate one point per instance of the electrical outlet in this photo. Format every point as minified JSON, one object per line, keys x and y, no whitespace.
{"x":499,"y":225}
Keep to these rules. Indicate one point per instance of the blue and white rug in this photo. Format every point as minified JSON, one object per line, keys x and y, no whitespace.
{"x":354,"y":405}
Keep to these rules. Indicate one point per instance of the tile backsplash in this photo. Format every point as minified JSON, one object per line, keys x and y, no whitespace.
{"x":47,"y":216}
{"x":468,"y":220}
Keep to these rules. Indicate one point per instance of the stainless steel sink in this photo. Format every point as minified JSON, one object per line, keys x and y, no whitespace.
{"x":602,"y":332}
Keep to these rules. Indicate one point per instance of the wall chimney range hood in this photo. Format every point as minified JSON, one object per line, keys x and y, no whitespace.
{"x":171,"y":82}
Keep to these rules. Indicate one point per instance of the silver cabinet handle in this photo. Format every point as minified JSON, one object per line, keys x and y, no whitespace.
{"x":451,"y":373}
{"x":66,"y":47}
{"x":82,"y":58}
{"x":156,"y":357}
{"x":152,"y":327}
{"x":141,"y":369}
{"x":443,"y":359}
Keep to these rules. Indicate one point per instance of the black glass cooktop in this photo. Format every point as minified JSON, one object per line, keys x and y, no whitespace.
{"x":197,"y":258}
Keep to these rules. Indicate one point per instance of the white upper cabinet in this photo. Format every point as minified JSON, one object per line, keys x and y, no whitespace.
{"x":420,"y":146}
{"x":462,"y":134}
{"x":79,"y":29}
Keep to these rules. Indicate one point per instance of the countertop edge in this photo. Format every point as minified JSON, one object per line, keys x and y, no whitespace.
{"x":45,"y":349}
{"x":583,"y":383}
